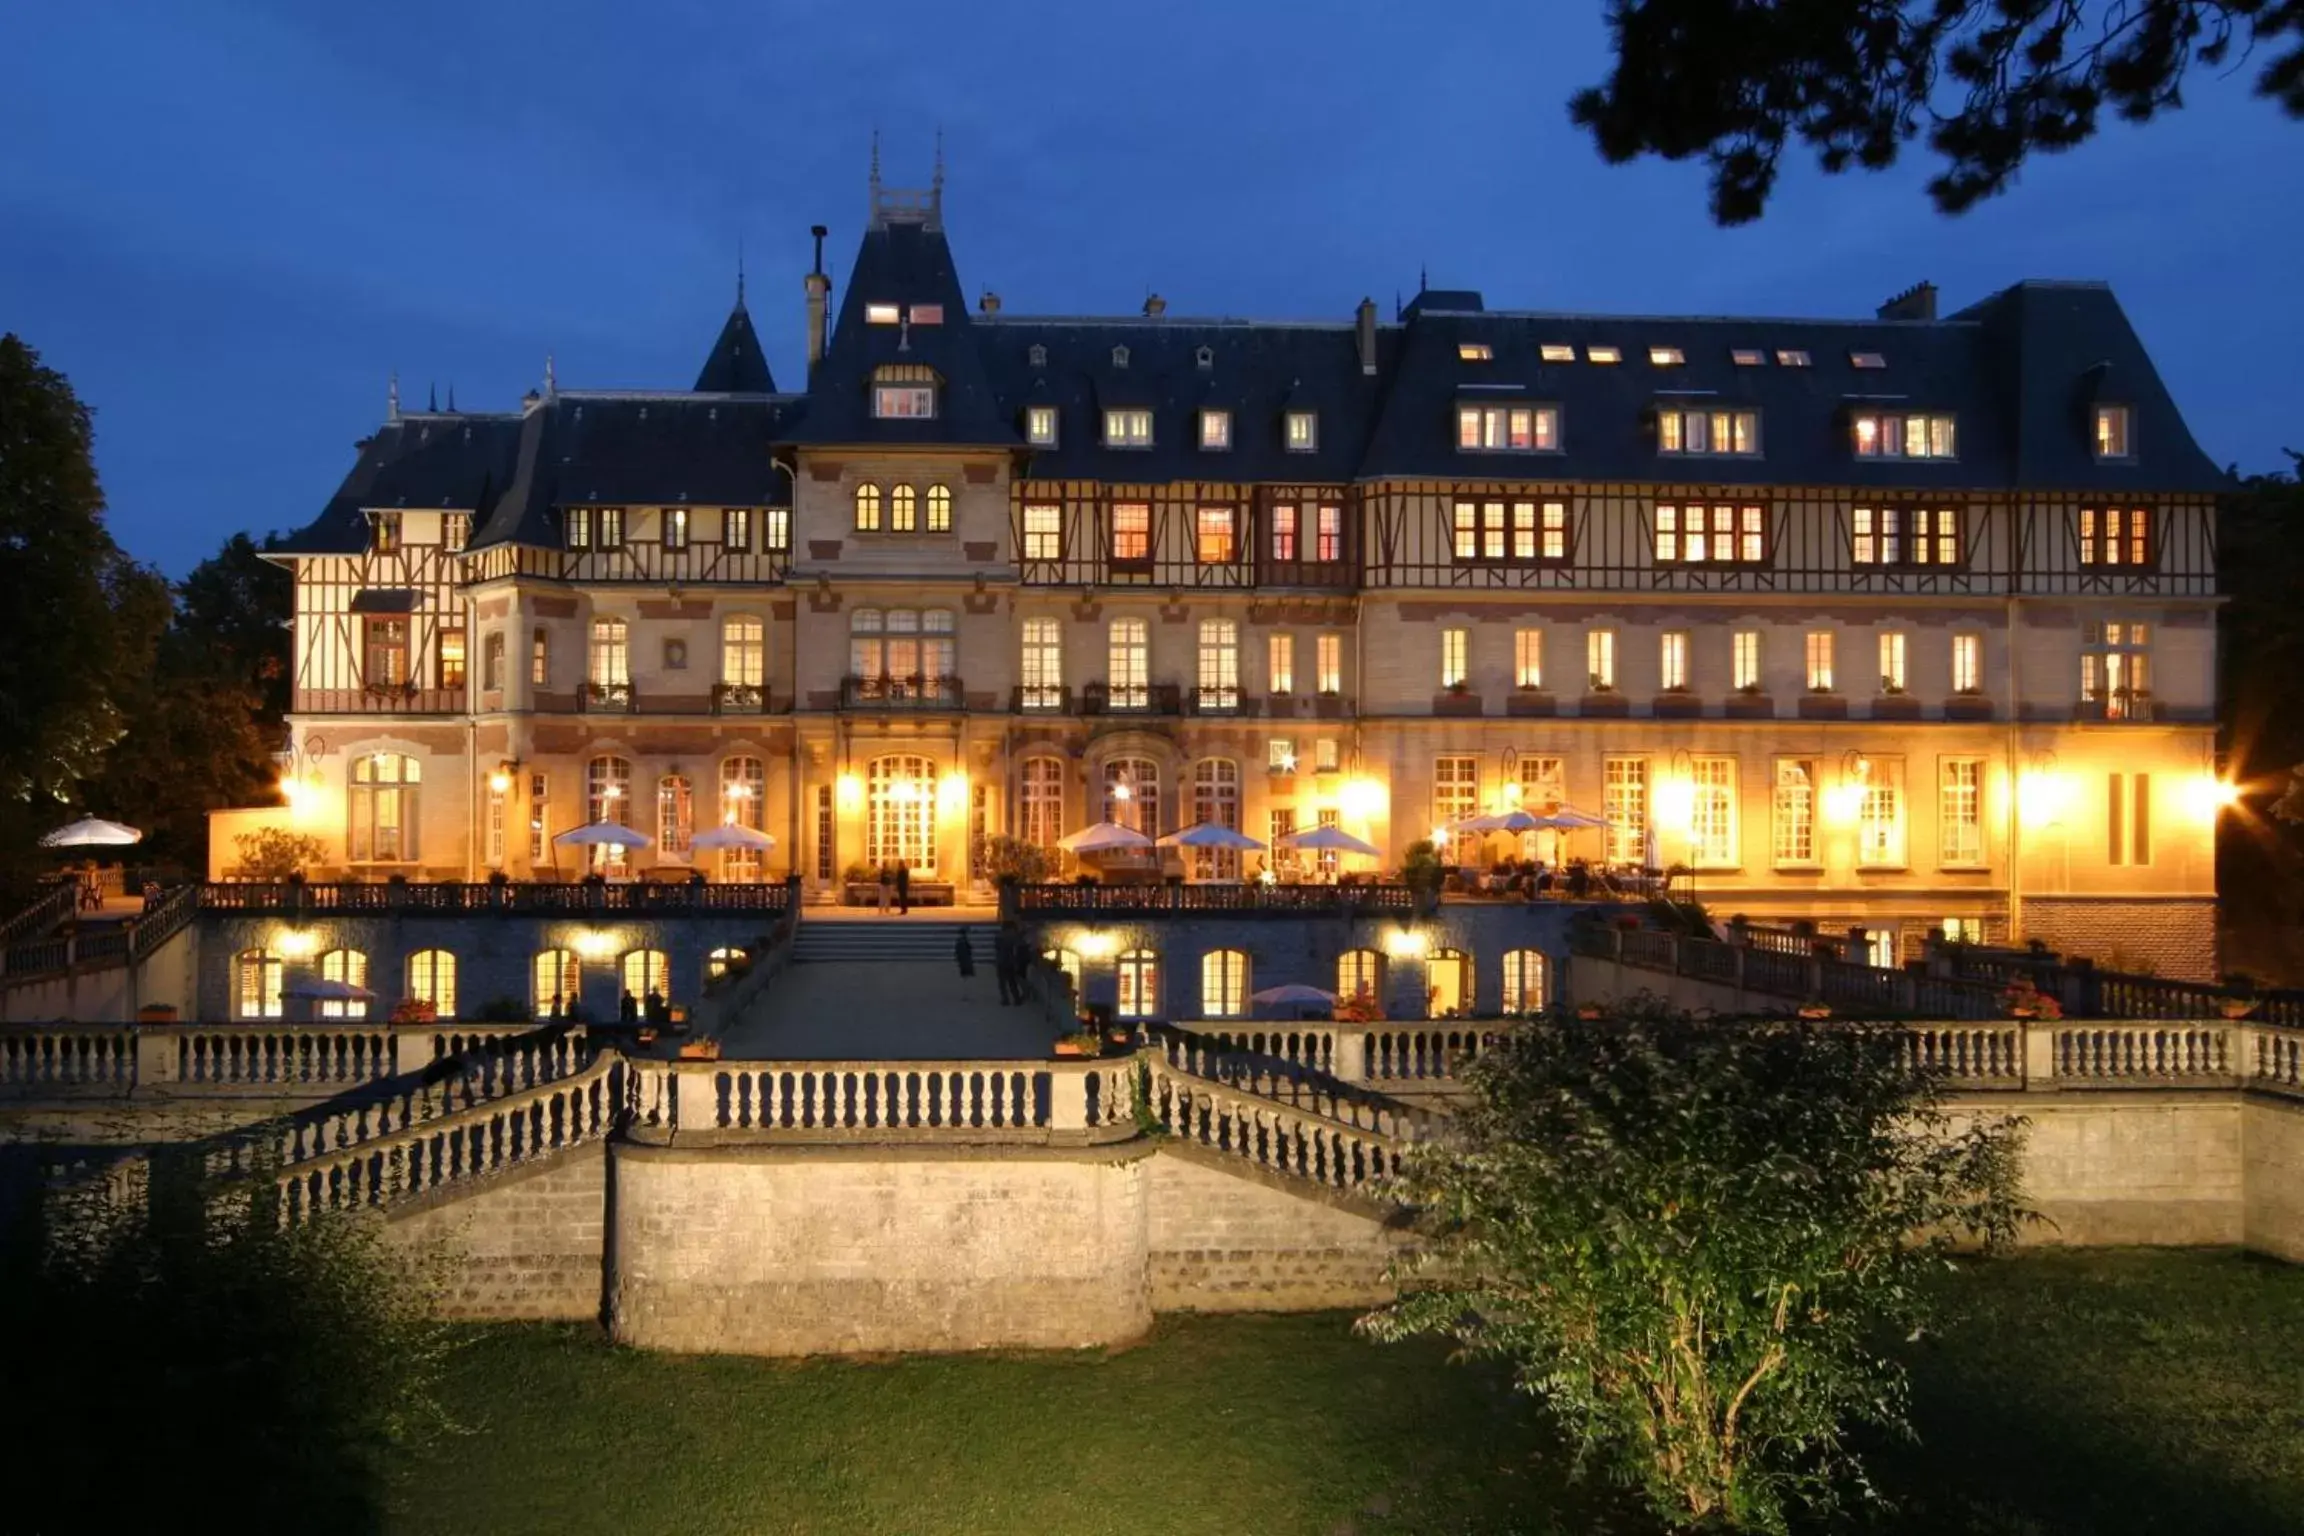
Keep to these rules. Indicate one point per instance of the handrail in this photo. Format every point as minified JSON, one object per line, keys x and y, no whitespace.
{"x":517,"y":897}
{"x":1338,"y":900}
{"x":42,"y":913}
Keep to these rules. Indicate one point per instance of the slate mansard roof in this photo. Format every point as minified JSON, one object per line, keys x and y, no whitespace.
{"x":2021,"y":371}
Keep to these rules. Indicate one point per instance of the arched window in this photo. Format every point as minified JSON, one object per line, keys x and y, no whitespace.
{"x":643,"y":971}
{"x":1067,"y":961}
{"x":903,"y":510}
{"x":256,"y":985}
{"x":1132,"y":794}
{"x":1360,"y":979}
{"x":901,"y":653}
{"x":350,"y":967}
{"x":1216,"y":801}
{"x":867,"y":508}
{"x":1448,"y":984}
{"x":1139,"y":985}
{"x":900,"y":813}
{"x":1042,"y":821}
{"x":383,"y":821}
{"x":743,"y":803}
{"x":1223,"y":984}
{"x":1526,"y":983}
{"x":608,"y":797}
{"x":723,"y":960}
{"x":559,"y":983}
{"x":939,"y":509}
{"x":432,"y":979}
{"x":675,"y":814}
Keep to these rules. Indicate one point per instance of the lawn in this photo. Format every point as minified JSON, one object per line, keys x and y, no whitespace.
{"x":2101,"y":1392}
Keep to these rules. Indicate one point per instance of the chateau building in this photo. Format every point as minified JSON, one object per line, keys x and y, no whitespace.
{"x":1900,"y":623}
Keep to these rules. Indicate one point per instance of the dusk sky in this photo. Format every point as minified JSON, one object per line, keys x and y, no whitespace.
{"x":230,"y":222}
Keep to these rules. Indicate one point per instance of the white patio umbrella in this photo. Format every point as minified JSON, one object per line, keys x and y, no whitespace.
{"x":1104,"y":837}
{"x":1209,"y":834}
{"x":1566,"y":818}
{"x":1502,"y":821}
{"x":1331,"y":840}
{"x":92,"y":832}
{"x":731,"y":835}
{"x":1293,"y":992}
{"x":603,"y":834}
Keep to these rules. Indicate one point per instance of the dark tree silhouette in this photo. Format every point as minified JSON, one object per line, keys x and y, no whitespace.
{"x":1988,"y":83}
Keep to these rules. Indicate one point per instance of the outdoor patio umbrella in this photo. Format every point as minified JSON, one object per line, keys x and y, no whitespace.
{"x":92,"y":832}
{"x":731,"y":835}
{"x":320,"y":989}
{"x":1566,"y":818}
{"x":1331,"y":840}
{"x":1293,"y":992}
{"x":1104,"y":837}
{"x":1209,"y":834}
{"x":1502,"y":821}
{"x":603,"y":834}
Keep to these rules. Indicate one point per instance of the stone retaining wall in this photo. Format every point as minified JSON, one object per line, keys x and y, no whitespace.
{"x":528,"y":1244}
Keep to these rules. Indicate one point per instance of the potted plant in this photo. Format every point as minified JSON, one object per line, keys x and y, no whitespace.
{"x":1421,"y":872}
{"x":1085,"y":1042}
{"x":2023,"y":1000}
{"x":414,"y":1010}
{"x":1360,"y":1008}
{"x":2244,"y":996}
{"x":1589,"y":1012}
{"x":699,"y":1050}
{"x":1815,"y":1010}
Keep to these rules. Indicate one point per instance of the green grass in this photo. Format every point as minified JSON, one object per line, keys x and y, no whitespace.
{"x":2101,"y":1392}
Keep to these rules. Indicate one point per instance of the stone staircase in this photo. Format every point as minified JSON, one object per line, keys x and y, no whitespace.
{"x":876,"y":940}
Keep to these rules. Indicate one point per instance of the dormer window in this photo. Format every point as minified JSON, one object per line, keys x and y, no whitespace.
{"x":1706,"y":432}
{"x":2112,"y":436}
{"x":1475,"y":352}
{"x":1508,"y":428}
{"x":904,"y":392}
{"x":1791,"y":357}
{"x":1748,"y":357}
{"x":1037,"y":356}
{"x":1556,"y":352}
{"x":1603,"y":354}
{"x":1205,"y":358}
{"x":1040,"y":426}
{"x":1665,"y":357}
{"x":1127,"y":429}
{"x":882,"y":314}
{"x":1302,"y":431}
{"x":1867,"y":360}
{"x":927,"y":314}
{"x":1215,"y":429}
{"x":1119,"y":357}
{"x":1893,"y":435}
{"x":384,"y":532}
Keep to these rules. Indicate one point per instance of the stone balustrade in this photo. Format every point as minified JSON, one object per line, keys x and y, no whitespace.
{"x":256,"y":1060}
{"x":1278,"y":1136}
{"x":875,"y":1101}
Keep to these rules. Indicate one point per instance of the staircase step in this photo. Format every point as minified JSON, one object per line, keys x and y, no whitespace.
{"x":882,"y":939}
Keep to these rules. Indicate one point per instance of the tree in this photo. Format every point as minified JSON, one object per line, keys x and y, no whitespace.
{"x":1690,"y":1237}
{"x":1989,"y":82}
{"x":275,"y":853}
{"x":78,"y":619}
{"x":2260,"y":569}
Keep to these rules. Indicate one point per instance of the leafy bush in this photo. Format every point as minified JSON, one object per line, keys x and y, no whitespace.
{"x":1012,"y":858}
{"x":1420,"y":868}
{"x":1689,"y":1238}
{"x":275,"y":853}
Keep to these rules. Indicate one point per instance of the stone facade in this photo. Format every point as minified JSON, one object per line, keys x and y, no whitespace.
{"x":526,"y":1245}
{"x":2170,"y":936}
{"x":1232,"y":1239}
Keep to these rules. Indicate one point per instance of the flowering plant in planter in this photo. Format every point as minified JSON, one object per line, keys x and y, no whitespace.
{"x":414,"y":1010}
{"x":1360,"y":1008}
{"x":2023,"y":1000}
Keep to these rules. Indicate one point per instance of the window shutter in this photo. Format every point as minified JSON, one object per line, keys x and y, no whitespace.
{"x":2140,"y":822}
{"x":2115,"y":810}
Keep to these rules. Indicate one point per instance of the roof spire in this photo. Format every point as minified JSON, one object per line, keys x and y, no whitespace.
{"x":551,"y":381}
{"x":432,"y":398}
{"x":739,"y":271}
{"x":1423,"y":276}
{"x":451,"y":397}
{"x":937,"y":185}
{"x":392,"y":398}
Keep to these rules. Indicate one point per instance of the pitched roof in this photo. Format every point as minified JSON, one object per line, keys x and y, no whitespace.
{"x":427,"y":460}
{"x":736,"y":365}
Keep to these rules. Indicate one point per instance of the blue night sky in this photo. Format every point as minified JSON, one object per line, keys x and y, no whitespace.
{"x":230,"y":222}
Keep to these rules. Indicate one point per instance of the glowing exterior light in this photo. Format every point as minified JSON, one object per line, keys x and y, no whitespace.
{"x":2206,"y":795}
{"x":1122,"y":794}
{"x":1844,"y":802}
{"x":851,"y":792}
{"x":593,"y":944}
{"x":1439,"y":837}
{"x":500,"y":782}
{"x":1361,"y":799}
{"x":1676,"y":804}
{"x":1511,"y":794}
{"x":2041,"y":795}
{"x":1089,"y":944}
{"x":295,"y":943}
{"x":1406,"y":943}
{"x":952,"y":791}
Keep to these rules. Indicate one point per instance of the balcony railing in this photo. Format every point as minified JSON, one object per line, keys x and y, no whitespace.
{"x":462,"y":897}
{"x":1131,"y":699}
{"x":2117,"y":704}
{"x":1216,"y":701}
{"x":1040,"y":699}
{"x":608,"y":698}
{"x":1327,"y":900}
{"x":915,"y":692}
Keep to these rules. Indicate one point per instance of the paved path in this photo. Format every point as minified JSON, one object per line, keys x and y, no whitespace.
{"x":878,"y":1010}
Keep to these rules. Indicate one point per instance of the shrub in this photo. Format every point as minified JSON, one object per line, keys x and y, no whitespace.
{"x":1012,"y":858}
{"x":275,"y":853}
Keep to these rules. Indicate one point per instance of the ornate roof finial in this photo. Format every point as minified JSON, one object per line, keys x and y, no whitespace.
{"x":1423,"y":277}
{"x":392,"y":398}
{"x":938,"y":183}
{"x":551,"y":381}
{"x":451,"y":397}
{"x":432,"y":398}
{"x":739,"y":271}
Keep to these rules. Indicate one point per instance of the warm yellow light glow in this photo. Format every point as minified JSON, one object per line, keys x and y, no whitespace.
{"x":1844,"y":802}
{"x":1439,"y":837}
{"x":500,"y":782}
{"x":1122,"y":794}
{"x":851,"y":792}
{"x":1089,"y":944}
{"x":904,"y":792}
{"x":1361,"y":799}
{"x":2205,"y":795}
{"x":295,"y":943}
{"x":1675,"y":805}
{"x":1511,"y":794}
{"x":952,"y":791}
{"x":593,"y":944}
{"x":2041,"y":795}
{"x":1406,"y":943}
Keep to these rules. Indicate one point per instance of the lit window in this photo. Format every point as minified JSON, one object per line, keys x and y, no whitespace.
{"x":1794,"y":809}
{"x":558,"y":983}
{"x":1043,"y":532}
{"x":903,"y":402}
{"x":452,"y":656}
{"x":1454,"y":643}
{"x":1284,"y":532}
{"x":1474,"y":351}
{"x":1223,"y":984}
{"x":1303,"y":431}
{"x":1328,"y":533}
{"x":1744,"y":660}
{"x":867,"y":508}
{"x":1455,"y":789}
{"x":1524,"y":985}
{"x":1665,"y":357}
{"x":1131,"y":533}
{"x":456,"y":530}
{"x":2112,"y":432}
{"x":349,"y":966}
{"x":1867,"y":360}
{"x":1967,"y":663}
{"x":2115,"y":536}
{"x":1043,"y":679}
{"x":383,"y":809}
{"x":1139,"y":985}
{"x":576,"y":527}
{"x":1127,"y":665}
{"x":1714,"y":535}
{"x":384,"y":531}
{"x":672,"y":527}
{"x":256,"y":991}
{"x":1904,"y":536}
{"x":1557,"y":352}
{"x":645,"y":973}
{"x":882,"y":314}
{"x":611,"y":658}
{"x":1600,"y":660}
{"x":432,"y":981}
{"x":1328,"y":656}
{"x":1508,"y":428}
{"x":1127,"y":429}
{"x":1892,"y":661}
{"x":1696,"y":431}
{"x":1521,"y":532}
{"x":1672,"y":661}
{"x":1324,"y":757}
{"x":1960,"y":812}
{"x":1791,"y":357}
{"x":1749,"y":357}
{"x":540,"y":658}
{"x":1040,"y":426}
{"x":1624,"y":802}
{"x":1214,"y":539}
{"x":1215,"y":429}
{"x":1819,"y":653}
{"x":743,"y":652}
{"x":1528,"y":658}
{"x":903,"y":509}
{"x":1603,"y":355}
{"x":927,"y":314}
{"x":611,"y":527}
{"x":939,"y":509}
{"x":1880,"y":814}
{"x":736,"y":528}
{"x":2116,"y":669}
{"x":1892,"y":435}
{"x":1712,"y":841}
{"x":1280,"y":663}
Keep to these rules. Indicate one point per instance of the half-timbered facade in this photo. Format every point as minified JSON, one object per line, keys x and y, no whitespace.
{"x":1894,"y":623}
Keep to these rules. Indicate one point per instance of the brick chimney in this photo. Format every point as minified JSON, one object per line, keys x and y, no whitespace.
{"x":1917,"y":302}
{"x":819,"y":301}
{"x":989,"y":304}
{"x":1366,"y":335}
{"x":1155,"y":307}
